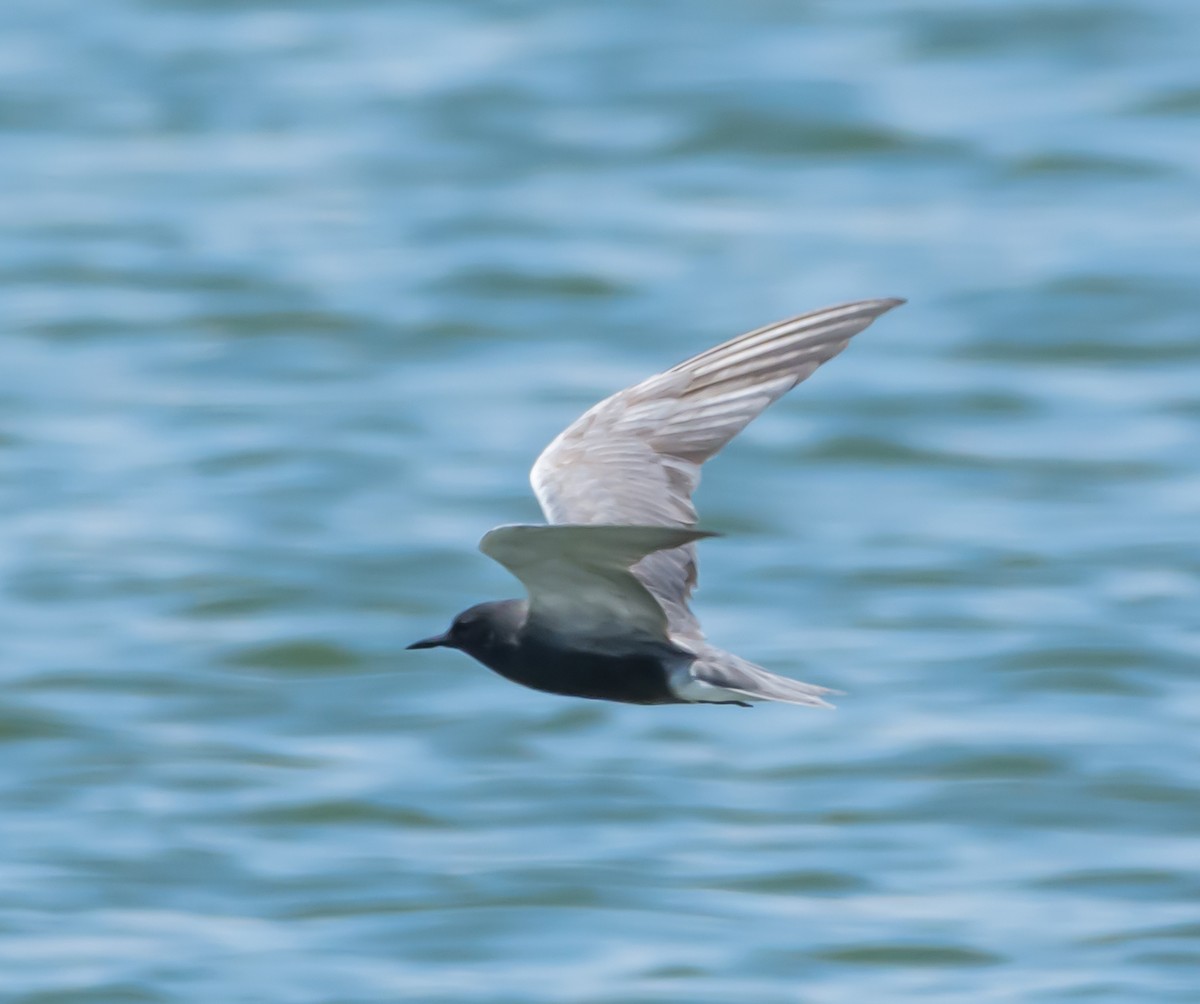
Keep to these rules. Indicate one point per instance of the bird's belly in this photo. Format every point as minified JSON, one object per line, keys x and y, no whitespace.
{"x":630,"y":679}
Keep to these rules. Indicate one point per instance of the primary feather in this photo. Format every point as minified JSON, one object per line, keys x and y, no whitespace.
{"x":635,"y":457}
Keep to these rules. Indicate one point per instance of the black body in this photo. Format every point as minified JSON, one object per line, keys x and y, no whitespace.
{"x":542,"y":665}
{"x":499,"y":636}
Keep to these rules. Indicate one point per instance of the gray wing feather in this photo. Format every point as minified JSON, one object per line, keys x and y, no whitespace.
{"x":579,"y":581}
{"x":635,"y":457}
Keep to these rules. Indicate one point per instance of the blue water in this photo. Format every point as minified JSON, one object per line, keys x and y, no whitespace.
{"x":293,"y":294}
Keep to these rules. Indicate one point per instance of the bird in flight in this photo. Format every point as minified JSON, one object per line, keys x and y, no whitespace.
{"x":609,"y":576}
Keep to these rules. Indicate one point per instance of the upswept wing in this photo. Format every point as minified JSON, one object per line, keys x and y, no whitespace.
{"x":635,"y":457}
{"x":579,"y":579}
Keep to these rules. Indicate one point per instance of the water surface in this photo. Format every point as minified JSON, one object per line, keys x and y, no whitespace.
{"x":292,"y":297}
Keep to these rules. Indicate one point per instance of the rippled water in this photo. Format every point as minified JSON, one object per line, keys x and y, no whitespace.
{"x":292,"y":296}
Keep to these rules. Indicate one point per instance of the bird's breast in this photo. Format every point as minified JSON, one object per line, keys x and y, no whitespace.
{"x":559,"y":667}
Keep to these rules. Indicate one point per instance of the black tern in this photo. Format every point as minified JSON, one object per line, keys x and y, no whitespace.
{"x":609,"y":577}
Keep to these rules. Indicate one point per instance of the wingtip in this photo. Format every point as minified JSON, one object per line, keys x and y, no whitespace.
{"x":865,"y":310}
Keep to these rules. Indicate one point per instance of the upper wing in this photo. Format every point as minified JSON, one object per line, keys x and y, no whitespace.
{"x":579,"y":579}
{"x":635,"y":457}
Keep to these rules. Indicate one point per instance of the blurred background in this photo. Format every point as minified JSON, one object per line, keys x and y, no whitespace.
{"x":292,"y":296}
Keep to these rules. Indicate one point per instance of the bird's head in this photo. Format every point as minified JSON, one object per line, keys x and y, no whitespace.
{"x":480,"y":629}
